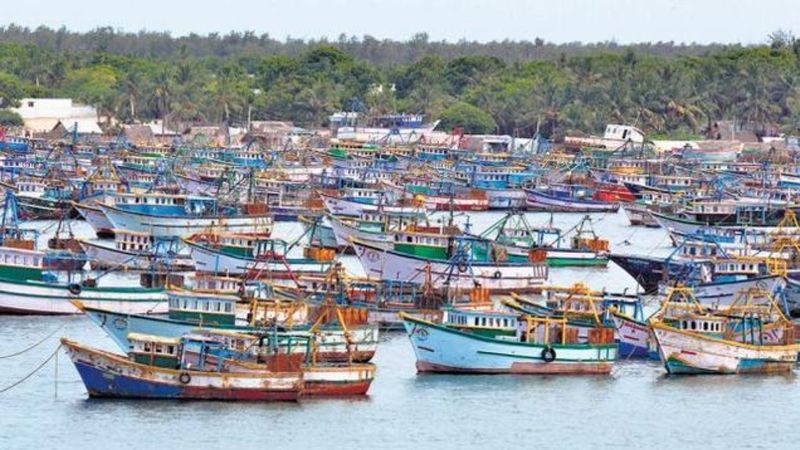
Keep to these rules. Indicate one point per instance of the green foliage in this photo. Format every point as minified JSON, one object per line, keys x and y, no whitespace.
{"x":9,"y":118}
{"x":508,"y":87}
{"x":11,"y":90}
{"x":470,"y":118}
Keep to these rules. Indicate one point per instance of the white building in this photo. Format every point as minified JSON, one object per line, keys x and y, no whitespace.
{"x":44,"y":114}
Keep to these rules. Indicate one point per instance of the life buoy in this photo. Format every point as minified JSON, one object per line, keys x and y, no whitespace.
{"x":74,"y":289}
{"x":497,"y":275}
{"x":184,"y":377}
{"x":548,"y":354}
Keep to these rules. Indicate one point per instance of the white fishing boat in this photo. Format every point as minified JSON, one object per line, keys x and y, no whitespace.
{"x":177,"y":226}
{"x":135,"y":251}
{"x":749,"y":336}
{"x":495,"y":276}
{"x":40,"y":298}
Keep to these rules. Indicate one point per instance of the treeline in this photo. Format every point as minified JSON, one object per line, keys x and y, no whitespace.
{"x":367,"y":48}
{"x":506,"y":87}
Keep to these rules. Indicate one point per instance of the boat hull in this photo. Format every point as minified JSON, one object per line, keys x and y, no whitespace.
{"x":105,"y":257}
{"x":540,"y":201}
{"x":638,"y":215}
{"x":633,"y":337}
{"x":172,"y":227}
{"x":441,"y":349}
{"x":109,"y":376}
{"x":210,"y":261}
{"x":97,"y":219}
{"x":496,"y":277}
{"x":687,"y":353}
{"x":39,"y":298}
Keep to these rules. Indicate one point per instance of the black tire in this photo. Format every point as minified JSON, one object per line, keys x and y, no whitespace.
{"x":74,"y":289}
{"x":548,"y":354}
{"x":462,"y":267}
{"x":185,"y":378}
{"x":497,"y":275}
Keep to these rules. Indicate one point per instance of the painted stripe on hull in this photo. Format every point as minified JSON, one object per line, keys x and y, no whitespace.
{"x":103,"y":384}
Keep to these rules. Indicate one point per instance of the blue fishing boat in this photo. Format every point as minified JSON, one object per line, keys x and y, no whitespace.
{"x":107,"y":375}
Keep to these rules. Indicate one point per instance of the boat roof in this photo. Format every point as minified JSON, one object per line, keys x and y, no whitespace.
{"x":141,"y":337}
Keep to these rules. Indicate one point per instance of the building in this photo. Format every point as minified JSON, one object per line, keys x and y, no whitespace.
{"x":66,"y":129}
{"x":43,"y":115}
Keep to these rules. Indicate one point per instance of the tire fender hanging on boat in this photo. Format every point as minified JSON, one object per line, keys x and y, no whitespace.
{"x":497,"y":275}
{"x":548,"y":354}
{"x":185,"y":378}
{"x":74,"y":289}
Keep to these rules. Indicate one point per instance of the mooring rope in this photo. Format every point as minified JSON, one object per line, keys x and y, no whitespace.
{"x":38,"y":368}
{"x":36,"y":344}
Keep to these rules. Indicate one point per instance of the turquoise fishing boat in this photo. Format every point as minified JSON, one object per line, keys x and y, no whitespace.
{"x":541,"y":346}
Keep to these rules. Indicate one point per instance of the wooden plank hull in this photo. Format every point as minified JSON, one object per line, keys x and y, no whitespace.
{"x":683,"y":352}
{"x":107,"y":375}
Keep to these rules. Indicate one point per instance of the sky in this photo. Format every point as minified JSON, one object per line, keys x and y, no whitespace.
{"x":622,"y":21}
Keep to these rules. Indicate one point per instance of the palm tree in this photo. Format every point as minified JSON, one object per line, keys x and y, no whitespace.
{"x":162,"y":93}
{"x":131,"y":89}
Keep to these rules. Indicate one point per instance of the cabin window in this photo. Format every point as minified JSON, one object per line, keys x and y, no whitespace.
{"x":705,"y":326}
{"x":694,"y":325}
{"x":147,"y":346}
{"x":476,"y":321}
{"x":158,"y":348}
{"x":483,"y":321}
{"x":218,"y":306}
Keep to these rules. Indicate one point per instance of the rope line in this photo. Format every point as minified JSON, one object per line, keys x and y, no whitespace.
{"x":38,"y":368}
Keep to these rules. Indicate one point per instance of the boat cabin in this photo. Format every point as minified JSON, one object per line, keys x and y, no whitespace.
{"x":480,"y":321}
{"x":201,"y":308}
{"x":156,"y":351}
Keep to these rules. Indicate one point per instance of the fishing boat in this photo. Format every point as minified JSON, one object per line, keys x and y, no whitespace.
{"x":455,"y":264}
{"x":108,"y":375}
{"x":567,"y":199}
{"x":268,"y":351}
{"x":136,"y":251}
{"x":166,"y":215}
{"x":380,"y":226}
{"x":254,"y":255}
{"x":225,"y":311}
{"x":31,"y":297}
{"x":474,"y":342}
{"x":514,"y":236}
{"x":750,"y":336}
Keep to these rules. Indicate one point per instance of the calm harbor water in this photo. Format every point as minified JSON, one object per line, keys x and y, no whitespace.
{"x":637,"y":406}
